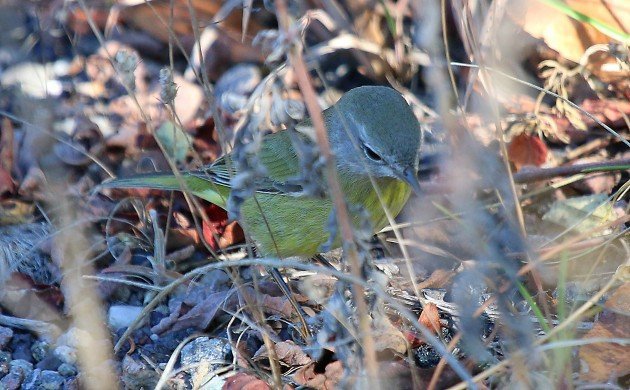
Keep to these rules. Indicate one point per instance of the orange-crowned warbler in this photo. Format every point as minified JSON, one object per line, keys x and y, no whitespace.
{"x":372,"y":132}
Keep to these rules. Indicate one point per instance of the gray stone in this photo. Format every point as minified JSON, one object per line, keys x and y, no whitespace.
{"x":22,"y":367}
{"x":5,"y":359}
{"x":121,"y":316}
{"x":39,"y":350}
{"x":66,"y":354}
{"x":204,"y":349}
{"x":66,"y":370}
{"x":6,"y":334}
{"x":12,"y":381}
{"x":45,"y":380}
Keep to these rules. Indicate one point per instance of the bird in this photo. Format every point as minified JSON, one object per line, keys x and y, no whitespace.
{"x":375,"y":139}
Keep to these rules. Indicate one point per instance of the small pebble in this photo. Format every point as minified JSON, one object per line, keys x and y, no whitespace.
{"x":11,"y":381}
{"x":121,"y":316}
{"x":22,"y":367}
{"x":21,"y":346}
{"x":44,"y":380}
{"x":66,"y":354}
{"x":67,"y":370}
{"x":39,"y":350}
{"x":50,"y":362}
{"x":72,"y":383}
{"x":205,"y":349}
{"x":6,"y":334}
{"x":5,"y":359}
{"x":137,"y":374}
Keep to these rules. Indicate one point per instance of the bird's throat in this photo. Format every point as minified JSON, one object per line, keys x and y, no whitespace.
{"x":376,"y":196}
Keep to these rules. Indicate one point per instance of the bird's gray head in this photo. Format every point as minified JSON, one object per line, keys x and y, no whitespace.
{"x":373,"y":129}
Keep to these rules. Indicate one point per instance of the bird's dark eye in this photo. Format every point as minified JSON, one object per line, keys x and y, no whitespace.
{"x":371,"y":154}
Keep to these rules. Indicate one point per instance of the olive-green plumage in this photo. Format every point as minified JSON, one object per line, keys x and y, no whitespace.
{"x":372,"y":131}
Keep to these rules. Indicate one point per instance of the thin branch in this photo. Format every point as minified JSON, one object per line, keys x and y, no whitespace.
{"x":538,"y":174}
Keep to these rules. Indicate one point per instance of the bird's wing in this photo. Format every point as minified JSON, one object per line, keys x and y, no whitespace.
{"x":277,"y":155}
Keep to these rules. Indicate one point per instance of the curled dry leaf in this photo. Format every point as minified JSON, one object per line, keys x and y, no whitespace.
{"x":217,"y":232}
{"x":601,"y":362}
{"x":430,"y":318}
{"x":328,"y":380}
{"x":288,"y":353}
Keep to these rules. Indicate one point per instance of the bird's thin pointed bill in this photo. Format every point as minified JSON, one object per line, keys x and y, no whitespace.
{"x":409,"y":176}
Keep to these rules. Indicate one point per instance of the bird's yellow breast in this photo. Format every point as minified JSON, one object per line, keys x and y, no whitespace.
{"x":285,"y":226}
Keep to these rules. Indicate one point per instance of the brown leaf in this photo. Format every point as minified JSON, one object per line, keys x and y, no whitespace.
{"x":202,"y":314}
{"x":6,"y":145}
{"x":564,"y":34}
{"x":78,"y":20}
{"x":7,"y":185}
{"x":206,"y":141}
{"x":33,"y":185}
{"x":525,"y":149}
{"x":224,"y":46}
{"x":438,"y":279}
{"x":232,"y":234}
{"x":86,"y":142}
{"x":608,"y":361}
{"x":388,"y":337}
{"x":430,"y":318}
{"x":306,"y":376}
{"x":242,"y":381}
{"x":287,"y":352}
{"x":216,"y":230}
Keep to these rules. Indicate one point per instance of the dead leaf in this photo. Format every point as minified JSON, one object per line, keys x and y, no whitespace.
{"x":306,"y":376}
{"x":224,"y":47}
{"x":206,"y":141}
{"x":79,"y":20}
{"x":602,"y":362}
{"x":85,"y":143}
{"x":188,"y":99}
{"x":387,"y":337}
{"x":438,"y":279}
{"x":596,"y":183}
{"x":216,"y":230}
{"x":581,"y":213}
{"x":525,"y":149}
{"x":567,"y":36}
{"x":7,"y":184}
{"x":202,"y":313}
{"x":6,"y":145}
{"x":287,"y":352}
{"x":242,"y":381}
{"x":33,"y":185}
{"x":430,"y":318}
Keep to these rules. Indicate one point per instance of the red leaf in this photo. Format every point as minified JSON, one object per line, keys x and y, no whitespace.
{"x":527,"y":149}
{"x":245,"y":382}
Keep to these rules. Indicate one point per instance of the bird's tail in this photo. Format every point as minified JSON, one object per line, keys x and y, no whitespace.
{"x":198,"y":186}
{"x":158,"y":181}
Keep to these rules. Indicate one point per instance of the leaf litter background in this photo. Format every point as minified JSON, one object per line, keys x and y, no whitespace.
{"x":521,"y":275}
